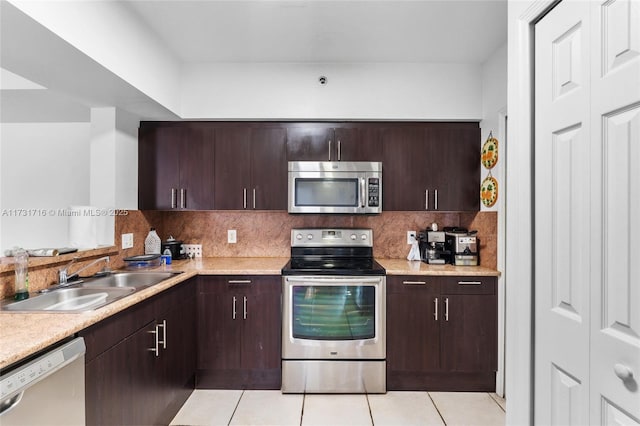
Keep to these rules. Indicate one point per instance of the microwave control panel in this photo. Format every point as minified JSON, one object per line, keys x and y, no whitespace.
{"x":374,"y":192}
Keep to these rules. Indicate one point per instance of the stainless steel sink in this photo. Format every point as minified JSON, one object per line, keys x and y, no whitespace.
{"x":71,"y":299}
{"x":91,"y":293}
{"x":136,"y":280}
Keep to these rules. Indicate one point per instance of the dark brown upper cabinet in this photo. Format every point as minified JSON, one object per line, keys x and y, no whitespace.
{"x":250,"y":168}
{"x":175,"y":167}
{"x":431,"y":166}
{"x":332,"y":142}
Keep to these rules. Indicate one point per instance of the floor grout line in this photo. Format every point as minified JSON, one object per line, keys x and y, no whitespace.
{"x":437,"y":409}
{"x":235,"y":408}
{"x":496,"y":401}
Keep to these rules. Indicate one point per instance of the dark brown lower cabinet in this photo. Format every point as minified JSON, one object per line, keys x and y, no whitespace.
{"x":127,"y":382}
{"x":238,"y":332}
{"x":441,"y":333}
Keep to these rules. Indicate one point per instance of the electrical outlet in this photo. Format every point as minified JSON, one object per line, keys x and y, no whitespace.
{"x":411,"y":235}
{"x":232,"y":237}
{"x":127,"y":241}
{"x":193,"y":250}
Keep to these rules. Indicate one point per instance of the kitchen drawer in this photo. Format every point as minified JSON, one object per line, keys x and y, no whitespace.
{"x":402,"y":284}
{"x":468,"y":285}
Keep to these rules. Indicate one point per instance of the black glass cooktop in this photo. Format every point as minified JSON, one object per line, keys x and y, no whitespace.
{"x":332,"y":266}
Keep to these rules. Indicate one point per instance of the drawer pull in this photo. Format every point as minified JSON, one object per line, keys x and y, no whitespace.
{"x":239,"y":281}
{"x":446,"y":309}
{"x":414,"y":282}
{"x":469,"y":282}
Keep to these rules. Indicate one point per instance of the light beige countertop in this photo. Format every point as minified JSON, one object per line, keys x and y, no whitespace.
{"x":25,"y":333}
{"x":408,"y":267}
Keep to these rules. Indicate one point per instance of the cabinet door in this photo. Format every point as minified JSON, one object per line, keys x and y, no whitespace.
{"x":196,"y":170}
{"x":261,"y":338}
{"x":310,"y":142}
{"x":413,"y":330}
{"x":219,"y":325}
{"x":455,"y":173}
{"x":469,"y":333}
{"x":178,"y":356}
{"x":232,"y":168}
{"x":121,"y":383}
{"x":158,"y":167}
{"x":268,"y":169}
{"x":363,"y":143}
{"x":405,"y":168}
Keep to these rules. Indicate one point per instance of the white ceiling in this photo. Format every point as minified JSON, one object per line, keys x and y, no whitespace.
{"x":326,"y":31}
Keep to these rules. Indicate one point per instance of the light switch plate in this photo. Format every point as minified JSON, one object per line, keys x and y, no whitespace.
{"x":232,"y":237}
{"x":127,"y":241}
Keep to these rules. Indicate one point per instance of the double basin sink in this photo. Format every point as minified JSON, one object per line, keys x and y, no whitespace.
{"x":90,"y":293}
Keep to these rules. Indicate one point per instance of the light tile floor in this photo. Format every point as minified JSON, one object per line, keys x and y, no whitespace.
{"x":236,"y":407}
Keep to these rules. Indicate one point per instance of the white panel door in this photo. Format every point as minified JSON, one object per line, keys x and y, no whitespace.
{"x":562,"y":220}
{"x":587,"y":214}
{"x":615,"y":292}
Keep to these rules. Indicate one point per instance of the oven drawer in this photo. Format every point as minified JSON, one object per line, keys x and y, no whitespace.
{"x":315,"y":376}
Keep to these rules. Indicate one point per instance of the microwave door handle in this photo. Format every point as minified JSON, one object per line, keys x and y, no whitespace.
{"x":362,"y":193}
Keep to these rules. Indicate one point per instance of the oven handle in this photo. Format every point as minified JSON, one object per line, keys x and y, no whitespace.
{"x":332,"y":280}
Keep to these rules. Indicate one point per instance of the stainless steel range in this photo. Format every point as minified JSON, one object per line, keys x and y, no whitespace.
{"x":333,"y":328}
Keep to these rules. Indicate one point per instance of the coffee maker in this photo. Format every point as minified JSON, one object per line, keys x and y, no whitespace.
{"x":463,"y":246}
{"x":433,"y":246}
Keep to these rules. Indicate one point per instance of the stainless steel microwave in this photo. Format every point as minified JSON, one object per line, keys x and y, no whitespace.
{"x":351,"y":187}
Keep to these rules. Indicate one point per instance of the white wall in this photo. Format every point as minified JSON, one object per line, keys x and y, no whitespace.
{"x":494,"y":104}
{"x":44,"y":167}
{"x":108,"y":33}
{"x":402,"y":91}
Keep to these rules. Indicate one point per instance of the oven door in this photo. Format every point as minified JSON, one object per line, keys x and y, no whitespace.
{"x":334,"y":317}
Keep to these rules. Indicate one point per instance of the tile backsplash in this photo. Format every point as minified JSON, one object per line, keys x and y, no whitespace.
{"x":262,"y":234}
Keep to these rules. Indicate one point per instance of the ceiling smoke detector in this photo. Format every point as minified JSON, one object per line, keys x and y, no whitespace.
{"x":322,"y":80}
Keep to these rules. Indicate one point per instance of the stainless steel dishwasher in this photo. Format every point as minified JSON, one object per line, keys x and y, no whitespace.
{"x":47,"y":390}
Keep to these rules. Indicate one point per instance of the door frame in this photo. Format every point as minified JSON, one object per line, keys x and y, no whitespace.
{"x":519,"y":216}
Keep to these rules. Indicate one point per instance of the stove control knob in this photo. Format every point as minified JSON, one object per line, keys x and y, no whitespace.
{"x":353,"y":236}
{"x":363,"y":237}
{"x":298,"y":236}
{"x":309,"y":236}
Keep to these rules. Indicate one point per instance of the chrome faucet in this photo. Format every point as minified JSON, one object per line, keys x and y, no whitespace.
{"x":64,"y":276}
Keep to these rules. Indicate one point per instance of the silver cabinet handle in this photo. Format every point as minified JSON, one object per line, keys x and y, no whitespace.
{"x":183,"y":198}
{"x":244,"y":307}
{"x":414,"y":282}
{"x":623,"y":372}
{"x":239,"y":282}
{"x":254,"y":198}
{"x":329,"y":149}
{"x":173,"y":198}
{"x":363,"y":193}
{"x":436,"y":200}
{"x":435,"y":308}
{"x":233,"y":313}
{"x":339,"y":150}
{"x":426,"y":199}
{"x":446,"y":309}
{"x":164,"y":333}
{"x":156,"y":348}
{"x":244,"y":198}
{"x":469,"y":282}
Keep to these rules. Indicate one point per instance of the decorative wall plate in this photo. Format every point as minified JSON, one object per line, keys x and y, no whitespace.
{"x":489,"y":191}
{"x":490,"y":152}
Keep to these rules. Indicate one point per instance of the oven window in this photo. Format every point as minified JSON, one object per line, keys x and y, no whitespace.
{"x":326,"y":192}
{"x":334,"y":312}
